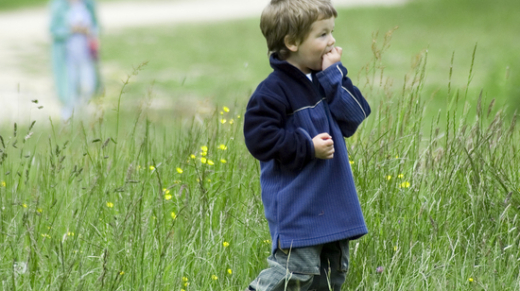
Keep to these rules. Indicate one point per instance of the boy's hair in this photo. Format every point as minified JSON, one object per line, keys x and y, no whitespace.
{"x":292,"y":18}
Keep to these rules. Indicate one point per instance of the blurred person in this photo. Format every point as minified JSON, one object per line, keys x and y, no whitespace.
{"x":295,"y":124}
{"x":74,"y":30}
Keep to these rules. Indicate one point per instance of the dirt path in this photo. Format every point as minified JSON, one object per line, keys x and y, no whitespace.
{"x":25,"y":72}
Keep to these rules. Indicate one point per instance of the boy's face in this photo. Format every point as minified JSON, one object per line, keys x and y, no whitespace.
{"x":308,"y":55}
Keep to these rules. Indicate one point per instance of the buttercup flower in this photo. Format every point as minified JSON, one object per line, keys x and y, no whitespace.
{"x":222,"y":147}
{"x":211,"y":163}
{"x":204,"y":148}
{"x":203,"y":160}
{"x":110,"y":204}
{"x":152,"y":168}
{"x":404,"y":185}
{"x":168,"y":196}
{"x":39,"y":210}
{"x":179,"y":170}
{"x":400,"y":176}
{"x":121,"y":273}
{"x":214,"y":277}
{"x":389,"y":177}
{"x":174,"y":216}
{"x":229,"y":271}
{"x":226,"y":109}
{"x":24,"y":205}
{"x":223,"y":161}
{"x":3,"y":184}
{"x":225,"y":244}
{"x":231,"y":121}
{"x":470,"y":280}
{"x":192,"y":156}
{"x":223,"y":120}
{"x":351,"y":162}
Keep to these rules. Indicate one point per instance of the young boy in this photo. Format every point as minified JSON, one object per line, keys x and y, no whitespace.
{"x":295,"y":124}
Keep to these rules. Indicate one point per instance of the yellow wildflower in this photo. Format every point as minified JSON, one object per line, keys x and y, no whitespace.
{"x":225,"y":244}
{"x":211,"y":163}
{"x":204,"y":154}
{"x":223,"y":161}
{"x":3,"y":184}
{"x":267,"y":241}
{"x":222,"y":147}
{"x":221,"y":112}
{"x":397,"y":157}
{"x":138,"y":167}
{"x":39,"y":210}
{"x":223,"y":120}
{"x":404,"y":185}
{"x":231,"y":121}
{"x":121,"y":273}
{"x":400,"y":176}
{"x":192,"y":156}
{"x":168,"y":196}
{"x":238,"y":116}
{"x":395,"y":248}
{"x":184,"y":279}
{"x":174,"y":216}
{"x":110,"y":204}
{"x":203,"y":160}
{"x":204,"y":148}
{"x":226,"y":109}
{"x":70,"y":233}
{"x":152,"y":168}
{"x":179,"y":170}
{"x":214,"y":277}
{"x":229,"y":271}
{"x":351,"y":162}
{"x":24,"y":205}
{"x":166,"y":191}
{"x":470,"y":280}
{"x":389,"y":177}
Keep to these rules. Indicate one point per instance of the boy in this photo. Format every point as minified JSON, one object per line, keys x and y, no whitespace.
{"x":295,"y":124}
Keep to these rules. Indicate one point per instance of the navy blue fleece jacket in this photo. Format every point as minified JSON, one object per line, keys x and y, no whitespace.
{"x":307,"y":201}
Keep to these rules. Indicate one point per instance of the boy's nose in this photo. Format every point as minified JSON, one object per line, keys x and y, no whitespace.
{"x":332,"y":40}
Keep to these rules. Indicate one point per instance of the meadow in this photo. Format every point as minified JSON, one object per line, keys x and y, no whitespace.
{"x":140,"y":198}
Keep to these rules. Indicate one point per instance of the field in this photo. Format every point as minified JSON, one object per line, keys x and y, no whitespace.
{"x":141,"y":198}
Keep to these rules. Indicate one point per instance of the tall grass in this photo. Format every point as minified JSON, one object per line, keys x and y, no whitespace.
{"x":176,"y":206}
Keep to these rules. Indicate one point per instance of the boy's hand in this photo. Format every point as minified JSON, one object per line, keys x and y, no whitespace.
{"x":323,"y":146}
{"x":332,"y":57}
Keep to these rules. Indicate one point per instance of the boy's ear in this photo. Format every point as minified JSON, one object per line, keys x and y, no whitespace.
{"x":290,"y":44}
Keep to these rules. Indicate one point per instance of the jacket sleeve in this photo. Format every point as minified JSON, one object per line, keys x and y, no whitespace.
{"x":267,"y":137}
{"x":347,"y":104}
{"x":59,"y":29}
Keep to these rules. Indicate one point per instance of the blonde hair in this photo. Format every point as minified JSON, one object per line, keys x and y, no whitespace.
{"x":292,"y":18}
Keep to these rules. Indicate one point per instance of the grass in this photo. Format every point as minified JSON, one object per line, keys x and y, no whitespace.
{"x":171,"y":205}
{"x":223,"y":62}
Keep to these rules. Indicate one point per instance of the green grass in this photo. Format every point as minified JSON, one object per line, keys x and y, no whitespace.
{"x":87,"y":205}
{"x":223,"y":62}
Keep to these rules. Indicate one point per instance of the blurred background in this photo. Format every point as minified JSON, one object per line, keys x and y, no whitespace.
{"x":195,"y":55}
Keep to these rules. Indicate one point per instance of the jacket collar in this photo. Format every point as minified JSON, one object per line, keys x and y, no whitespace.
{"x":295,"y":73}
